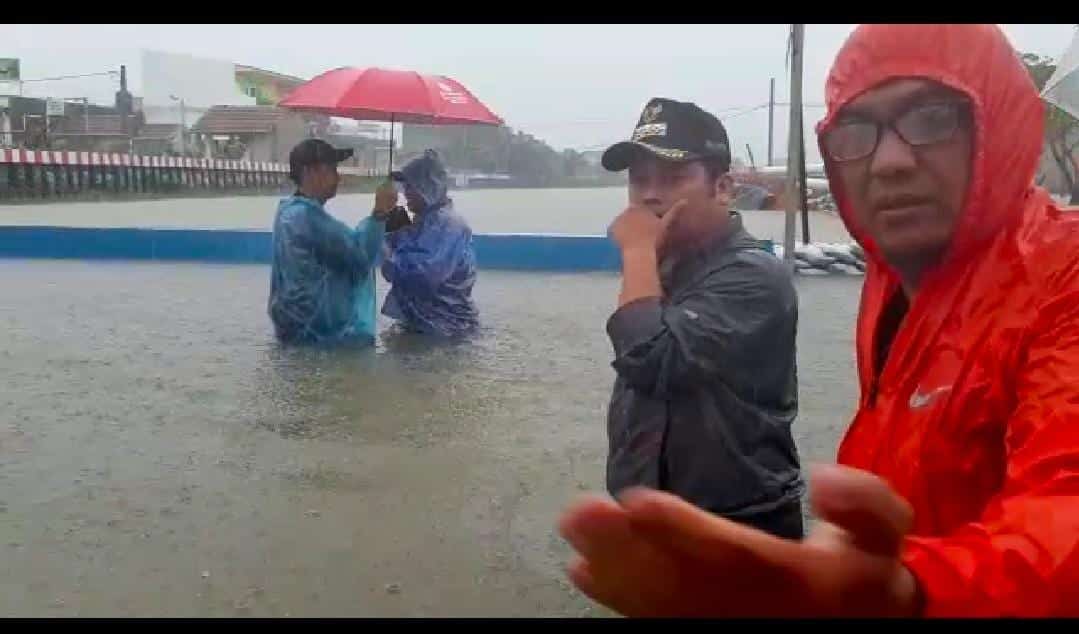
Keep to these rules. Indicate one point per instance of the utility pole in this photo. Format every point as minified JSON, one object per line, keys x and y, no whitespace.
{"x":183,"y":130}
{"x":803,"y":186}
{"x":183,"y":125}
{"x":124,"y":102}
{"x":771,"y":113}
{"x":794,"y":157}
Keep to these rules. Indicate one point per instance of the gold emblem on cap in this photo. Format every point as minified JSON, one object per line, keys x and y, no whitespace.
{"x":651,"y":113}
{"x":649,"y":129}
{"x":667,"y":152}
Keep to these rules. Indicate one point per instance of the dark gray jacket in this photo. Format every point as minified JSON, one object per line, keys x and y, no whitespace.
{"x":707,"y":386}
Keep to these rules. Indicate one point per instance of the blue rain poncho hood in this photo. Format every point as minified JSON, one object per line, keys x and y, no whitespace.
{"x":431,"y":264}
{"x":428,"y":177}
{"x":322,"y":286}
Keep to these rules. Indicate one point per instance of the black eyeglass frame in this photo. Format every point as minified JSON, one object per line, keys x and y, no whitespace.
{"x":963,"y":117}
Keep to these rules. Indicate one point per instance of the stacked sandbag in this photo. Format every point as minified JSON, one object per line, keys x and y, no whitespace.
{"x":822,"y":201}
{"x":824,"y":258}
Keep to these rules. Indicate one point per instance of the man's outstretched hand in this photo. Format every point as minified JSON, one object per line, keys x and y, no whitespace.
{"x":653,"y":555}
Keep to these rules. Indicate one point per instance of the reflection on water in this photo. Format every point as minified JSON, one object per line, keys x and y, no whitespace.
{"x":381,"y":394}
{"x":163,"y":455}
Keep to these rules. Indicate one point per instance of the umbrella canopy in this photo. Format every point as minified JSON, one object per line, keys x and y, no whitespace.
{"x":378,"y":94}
{"x":1062,"y":89}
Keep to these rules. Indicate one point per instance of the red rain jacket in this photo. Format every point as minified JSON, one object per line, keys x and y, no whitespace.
{"x":974,"y":417}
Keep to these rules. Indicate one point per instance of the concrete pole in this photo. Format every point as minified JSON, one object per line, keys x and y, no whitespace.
{"x":794,"y":144}
{"x":771,"y":113}
{"x":183,"y":130}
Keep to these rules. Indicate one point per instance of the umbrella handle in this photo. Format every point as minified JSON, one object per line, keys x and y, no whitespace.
{"x":390,"y":167}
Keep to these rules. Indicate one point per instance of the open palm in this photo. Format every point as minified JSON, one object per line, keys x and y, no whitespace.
{"x":654,"y":555}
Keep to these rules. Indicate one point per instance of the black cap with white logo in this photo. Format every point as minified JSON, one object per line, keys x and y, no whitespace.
{"x":672,"y":131}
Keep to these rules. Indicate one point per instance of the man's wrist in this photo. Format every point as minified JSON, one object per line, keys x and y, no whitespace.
{"x":640,"y":275}
{"x":639,"y":252}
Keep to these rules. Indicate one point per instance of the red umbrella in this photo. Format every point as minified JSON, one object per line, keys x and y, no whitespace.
{"x":378,"y":94}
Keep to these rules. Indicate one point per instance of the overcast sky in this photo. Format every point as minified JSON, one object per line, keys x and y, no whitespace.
{"x":579,"y":86}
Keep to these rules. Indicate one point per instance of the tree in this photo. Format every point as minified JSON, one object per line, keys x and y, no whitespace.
{"x":573,"y":164}
{"x":1061,"y":129}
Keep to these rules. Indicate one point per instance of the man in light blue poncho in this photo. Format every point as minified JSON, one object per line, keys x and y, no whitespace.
{"x":322,"y":287}
{"x":430,"y":262}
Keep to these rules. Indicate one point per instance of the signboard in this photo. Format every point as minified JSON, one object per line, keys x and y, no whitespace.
{"x":54,"y":107}
{"x":9,"y":69}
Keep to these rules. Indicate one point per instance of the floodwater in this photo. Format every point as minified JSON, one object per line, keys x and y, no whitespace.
{"x":161,"y":455}
{"x":586,"y":211}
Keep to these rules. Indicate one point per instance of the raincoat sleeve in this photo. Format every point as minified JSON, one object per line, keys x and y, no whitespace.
{"x":1022,"y":557}
{"x":337,"y":246}
{"x":728,"y":322}
{"x":418,"y":262}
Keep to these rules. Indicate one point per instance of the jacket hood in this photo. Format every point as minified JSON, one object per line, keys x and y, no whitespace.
{"x":978,"y":61}
{"x":428,"y":176}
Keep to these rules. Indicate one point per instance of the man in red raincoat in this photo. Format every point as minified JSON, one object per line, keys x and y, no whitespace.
{"x":958,"y":492}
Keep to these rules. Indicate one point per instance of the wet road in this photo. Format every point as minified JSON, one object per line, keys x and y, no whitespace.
{"x":162,"y":456}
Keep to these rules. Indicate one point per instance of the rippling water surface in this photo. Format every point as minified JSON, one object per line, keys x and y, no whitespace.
{"x":160,"y":455}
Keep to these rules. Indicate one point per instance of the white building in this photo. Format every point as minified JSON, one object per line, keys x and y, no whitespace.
{"x":200,"y":82}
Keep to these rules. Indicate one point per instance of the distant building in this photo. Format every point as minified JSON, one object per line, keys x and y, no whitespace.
{"x":85,"y":127}
{"x":199,"y":83}
{"x":256,"y":133}
{"x":161,"y":139}
{"x":416,"y":138}
{"x":266,"y":87}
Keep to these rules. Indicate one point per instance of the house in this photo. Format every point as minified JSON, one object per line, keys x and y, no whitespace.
{"x":256,"y":133}
{"x":161,"y":139}
{"x":82,"y":126}
{"x":371,"y":155}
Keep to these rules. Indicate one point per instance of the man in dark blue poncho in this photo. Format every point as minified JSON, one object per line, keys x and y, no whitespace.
{"x":430,"y":263}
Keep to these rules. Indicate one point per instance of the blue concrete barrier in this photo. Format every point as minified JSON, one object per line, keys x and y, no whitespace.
{"x":519,"y":252}
{"x":494,"y":251}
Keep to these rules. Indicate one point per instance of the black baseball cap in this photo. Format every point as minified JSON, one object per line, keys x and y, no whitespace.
{"x":314,"y":152}
{"x":672,"y":130}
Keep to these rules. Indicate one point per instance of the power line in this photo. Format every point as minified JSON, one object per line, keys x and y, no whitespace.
{"x":739,"y":111}
{"x":108,"y":73}
{"x":746,"y":111}
{"x":592,"y":120}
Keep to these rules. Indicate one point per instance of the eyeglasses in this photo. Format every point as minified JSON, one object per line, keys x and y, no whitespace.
{"x":924,"y":124}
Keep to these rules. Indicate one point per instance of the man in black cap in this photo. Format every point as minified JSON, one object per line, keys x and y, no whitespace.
{"x":704,"y":334}
{"x":322,"y":287}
